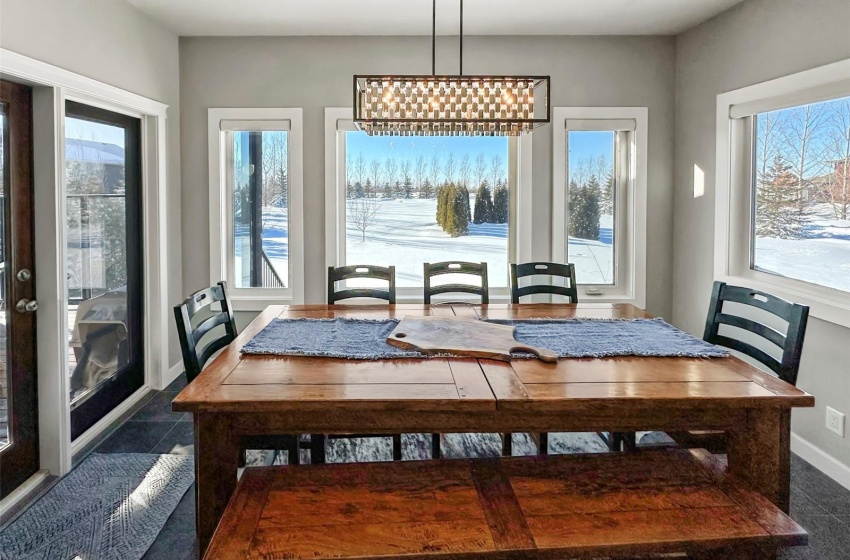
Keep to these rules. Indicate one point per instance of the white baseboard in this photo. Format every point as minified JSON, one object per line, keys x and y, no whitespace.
{"x":821,"y":460}
{"x":104,"y":423}
{"x":172,"y":374}
{"x":22,"y":491}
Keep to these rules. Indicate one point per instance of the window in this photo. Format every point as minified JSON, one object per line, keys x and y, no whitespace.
{"x":599,"y":178}
{"x":783,"y":194}
{"x":404,"y":201}
{"x":801,"y":193}
{"x":255,"y":171}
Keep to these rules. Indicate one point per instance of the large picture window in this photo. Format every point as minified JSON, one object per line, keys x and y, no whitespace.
{"x":405,"y":200}
{"x":255,"y":174}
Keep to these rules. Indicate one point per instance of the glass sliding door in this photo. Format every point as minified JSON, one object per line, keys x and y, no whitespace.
{"x":104,"y":259}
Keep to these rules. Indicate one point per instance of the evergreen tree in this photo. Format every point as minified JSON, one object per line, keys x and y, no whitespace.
{"x":483,"y":213}
{"x":368,"y":188}
{"x":407,"y":188}
{"x":349,"y":190}
{"x":388,"y":190}
{"x":458,"y":214}
{"x":358,"y":190}
{"x":501,"y":204}
{"x":426,"y":190}
{"x":398,"y":190}
{"x":584,"y":210}
{"x":606,"y":200}
{"x":776,"y":212}
{"x":442,"y":205}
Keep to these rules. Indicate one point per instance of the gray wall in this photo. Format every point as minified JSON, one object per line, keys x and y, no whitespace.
{"x":114,"y":43}
{"x":756,"y":41}
{"x":316,"y":72}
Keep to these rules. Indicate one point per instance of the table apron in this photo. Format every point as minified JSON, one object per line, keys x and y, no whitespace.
{"x":423,"y":422}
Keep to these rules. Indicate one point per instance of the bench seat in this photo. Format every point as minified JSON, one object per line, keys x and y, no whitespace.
{"x":659,"y":501}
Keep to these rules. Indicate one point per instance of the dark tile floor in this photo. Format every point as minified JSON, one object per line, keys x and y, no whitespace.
{"x":818,"y":503}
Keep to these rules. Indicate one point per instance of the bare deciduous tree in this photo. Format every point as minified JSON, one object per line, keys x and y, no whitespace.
{"x":465,"y":170}
{"x":480,"y":169}
{"x":375,"y":174}
{"x":450,"y":168}
{"x":434,"y":170}
{"x":497,"y":170}
{"x":361,"y":213}
{"x":420,"y":171}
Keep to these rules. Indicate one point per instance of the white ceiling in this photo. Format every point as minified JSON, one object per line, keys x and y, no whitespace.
{"x":413,"y":17}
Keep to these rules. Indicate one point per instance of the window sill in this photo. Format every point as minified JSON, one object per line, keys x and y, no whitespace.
{"x":832,"y":306}
{"x":250,"y":303}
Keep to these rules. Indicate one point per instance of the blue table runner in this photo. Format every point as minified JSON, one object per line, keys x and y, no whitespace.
{"x":365,"y":339}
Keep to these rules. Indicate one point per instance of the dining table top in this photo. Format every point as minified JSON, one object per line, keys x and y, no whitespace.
{"x":236,"y":382}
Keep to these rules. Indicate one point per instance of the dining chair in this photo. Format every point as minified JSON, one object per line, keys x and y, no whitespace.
{"x":724,"y":327}
{"x":526,"y":270}
{"x":483,"y":291}
{"x":354,"y":272}
{"x":196,"y":322}
{"x":339,"y":274}
{"x":456,"y":267}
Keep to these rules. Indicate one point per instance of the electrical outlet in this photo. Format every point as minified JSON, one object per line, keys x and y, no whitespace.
{"x":835,"y":421}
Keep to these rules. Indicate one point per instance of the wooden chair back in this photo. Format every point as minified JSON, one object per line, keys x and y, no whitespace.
{"x":361,"y":271}
{"x":195,"y":356}
{"x":524,"y":270}
{"x":457,"y":267}
{"x":791,"y":343}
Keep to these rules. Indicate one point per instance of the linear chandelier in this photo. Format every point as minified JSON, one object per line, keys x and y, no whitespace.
{"x":430,"y":105}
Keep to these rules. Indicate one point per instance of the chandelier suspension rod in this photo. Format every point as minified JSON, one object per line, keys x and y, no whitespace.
{"x":434,"y":39}
{"x":460,"y":69}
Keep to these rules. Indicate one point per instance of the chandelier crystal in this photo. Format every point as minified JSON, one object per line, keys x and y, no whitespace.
{"x":432,"y":105}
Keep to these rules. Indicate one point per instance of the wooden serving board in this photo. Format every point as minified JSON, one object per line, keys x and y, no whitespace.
{"x":459,"y":336}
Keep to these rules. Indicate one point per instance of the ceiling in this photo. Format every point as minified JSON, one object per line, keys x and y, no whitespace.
{"x":413,"y":17}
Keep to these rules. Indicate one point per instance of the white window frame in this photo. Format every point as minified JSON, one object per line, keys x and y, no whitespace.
{"x":733,"y":192}
{"x":630,"y":217}
{"x":339,"y":120}
{"x":221,"y":205}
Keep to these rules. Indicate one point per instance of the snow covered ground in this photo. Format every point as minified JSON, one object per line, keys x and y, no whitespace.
{"x":822,"y":257}
{"x":405,"y":234}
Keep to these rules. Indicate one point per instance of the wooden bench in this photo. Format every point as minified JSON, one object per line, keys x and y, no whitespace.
{"x":555,"y":507}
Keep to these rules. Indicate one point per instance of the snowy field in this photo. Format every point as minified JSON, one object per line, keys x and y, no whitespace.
{"x":405,"y":234}
{"x":822,"y":257}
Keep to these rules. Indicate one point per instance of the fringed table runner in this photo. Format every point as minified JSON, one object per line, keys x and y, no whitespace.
{"x":365,"y":339}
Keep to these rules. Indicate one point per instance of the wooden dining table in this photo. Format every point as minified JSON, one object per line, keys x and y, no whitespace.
{"x":248,"y":395}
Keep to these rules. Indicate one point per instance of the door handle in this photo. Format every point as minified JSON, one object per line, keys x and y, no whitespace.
{"x":27,"y":306}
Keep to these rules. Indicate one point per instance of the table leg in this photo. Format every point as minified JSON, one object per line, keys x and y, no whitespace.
{"x":216,"y":462}
{"x":760,"y":454}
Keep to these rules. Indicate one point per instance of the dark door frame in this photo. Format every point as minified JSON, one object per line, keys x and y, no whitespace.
{"x":132,"y":377}
{"x":20,"y":459}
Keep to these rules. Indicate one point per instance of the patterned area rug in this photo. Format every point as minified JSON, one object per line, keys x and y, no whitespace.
{"x":111,"y":507}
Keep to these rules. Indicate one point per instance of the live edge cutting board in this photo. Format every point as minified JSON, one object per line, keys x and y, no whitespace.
{"x":461,"y":337}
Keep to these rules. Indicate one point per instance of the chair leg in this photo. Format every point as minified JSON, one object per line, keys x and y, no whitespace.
{"x":243,"y":458}
{"x":295,"y":453}
{"x":543,"y":443}
{"x":507,"y":445}
{"x":435,"y":446}
{"x":396,"y":447}
{"x":317,"y":449}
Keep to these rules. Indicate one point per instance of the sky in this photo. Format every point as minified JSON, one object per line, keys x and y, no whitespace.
{"x":79,"y":129}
